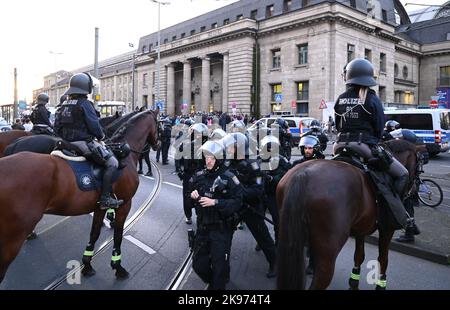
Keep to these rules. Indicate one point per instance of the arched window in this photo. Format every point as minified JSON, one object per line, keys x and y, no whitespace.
{"x":405,"y":72}
{"x":395,"y":70}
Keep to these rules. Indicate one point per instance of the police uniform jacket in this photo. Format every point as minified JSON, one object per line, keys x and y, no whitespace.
{"x":40,"y":115}
{"x":273,"y":176}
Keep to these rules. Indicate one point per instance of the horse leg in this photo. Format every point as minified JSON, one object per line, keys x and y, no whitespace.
{"x":116,"y":258}
{"x":324,"y":264}
{"x":358,"y":259}
{"x":383,"y":253}
{"x":9,"y":251}
{"x":96,"y":227}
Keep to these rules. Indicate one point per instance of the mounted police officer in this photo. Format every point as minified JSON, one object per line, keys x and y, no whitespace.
{"x":40,"y":117}
{"x":316,"y":130}
{"x":250,"y":176}
{"x":217,"y":196}
{"x":275,"y":167}
{"x":360,"y":121}
{"x":190,"y":162}
{"x":310,"y":148}
{"x":79,"y":124}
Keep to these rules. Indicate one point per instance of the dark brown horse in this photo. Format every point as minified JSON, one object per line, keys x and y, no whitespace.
{"x":23,"y":203}
{"x":323,"y":202}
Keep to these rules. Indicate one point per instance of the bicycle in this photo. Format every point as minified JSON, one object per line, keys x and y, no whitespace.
{"x":430,"y":193}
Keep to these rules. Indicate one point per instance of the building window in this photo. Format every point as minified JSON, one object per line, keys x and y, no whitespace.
{"x":409,"y":97}
{"x":154,"y":78}
{"x":192,"y":32}
{"x":203,"y":28}
{"x":305,"y":3}
{"x":226,"y":21}
{"x":183,"y":35}
{"x":353,"y":3}
{"x":239,"y":17}
{"x":144,"y":80}
{"x":213,"y":25}
{"x":276,"y":59}
{"x":382,"y":62}
{"x":368,"y":54}
{"x":382,"y":93}
{"x":277,"y":89}
{"x":269,"y":11}
{"x":384,"y":15}
{"x":144,"y":49}
{"x":405,"y":72}
{"x":150,"y":47}
{"x":174,"y":38}
{"x":287,"y":5}
{"x":302,"y":91}
{"x":253,"y":14}
{"x":166,"y":40}
{"x":350,"y":52}
{"x":395,"y":70}
{"x":444,"y":76}
{"x":303,"y":54}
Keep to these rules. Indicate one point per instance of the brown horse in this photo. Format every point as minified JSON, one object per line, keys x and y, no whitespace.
{"x":8,"y":137}
{"x":323,"y":202}
{"x":23,"y":203}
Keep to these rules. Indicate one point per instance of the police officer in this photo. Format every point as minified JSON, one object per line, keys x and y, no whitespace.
{"x":285,"y":138}
{"x":165,"y":140}
{"x":250,"y":176}
{"x":360,"y":121}
{"x":190,"y":162}
{"x":310,"y":148}
{"x":390,"y":126}
{"x":79,"y":124}
{"x":40,"y":116}
{"x":236,"y":126}
{"x":316,"y":131}
{"x":275,"y":167}
{"x":217,"y":196}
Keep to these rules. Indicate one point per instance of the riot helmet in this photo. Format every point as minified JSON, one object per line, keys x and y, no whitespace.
{"x":315,"y":124}
{"x":80,"y":84}
{"x":309,"y":142}
{"x":198,"y":131}
{"x":391,"y":125}
{"x":42,"y":98}
{"x":270,"y":146}
{"x":360,"y":72}
{"x":236,"y":145}
{"x":213,"y":149}
{"x":217,"y":134}
{"x":282,"y":123}
{"x":237,"y":126}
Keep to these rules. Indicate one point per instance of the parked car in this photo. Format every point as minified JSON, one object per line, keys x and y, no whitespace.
{"x":4,"y":126}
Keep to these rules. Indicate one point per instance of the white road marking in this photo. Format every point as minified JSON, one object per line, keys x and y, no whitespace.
{"x":151,"y":178}
{"x":140,"y":244}
{"x":50,"y":227}
{"x":444,"y":166}
{"x":174,"y":185}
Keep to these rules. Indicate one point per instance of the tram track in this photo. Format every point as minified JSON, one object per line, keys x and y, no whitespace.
{"x":128,"y":225}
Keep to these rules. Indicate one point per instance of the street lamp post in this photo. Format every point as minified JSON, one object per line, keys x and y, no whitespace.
{"x":159,"y":47}
{"x":133,"y":68}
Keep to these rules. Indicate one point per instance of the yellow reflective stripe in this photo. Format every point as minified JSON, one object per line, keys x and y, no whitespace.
{"x":88,"y":253}
{"x":115,"y":258}
{"x":381,"y":283}
{"x":355,"y":276}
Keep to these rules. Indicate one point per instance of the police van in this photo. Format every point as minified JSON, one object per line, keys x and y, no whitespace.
{"x":433,"y":125}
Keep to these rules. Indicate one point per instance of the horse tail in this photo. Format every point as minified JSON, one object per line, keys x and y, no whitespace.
{"x":293,"y":234}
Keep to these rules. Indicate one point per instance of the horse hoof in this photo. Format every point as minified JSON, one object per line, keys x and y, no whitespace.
{"x":380,"y":288}
{"x":88,"y":272}
{"x":121,"y":273}
{"x":353,"y":284}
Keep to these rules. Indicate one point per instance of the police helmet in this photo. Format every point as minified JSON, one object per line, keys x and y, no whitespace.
{"x":309,"y":141}
{"x":42,"y":98}
{"x":391,"y":125}
{"x":237,"y":125}
{"x":237,"y":140}
{"x":269,"y":145}
{"x":188,"y":122}
{"x":167,"y":121}
{"x":80,"y":84}
{"x":213,"y":148}
{"x":217,"y":134}
{"x":198,"y":131}
{"x":182,"y":121}
{"x":283,"y":123}
{"x":315,"y":124}
{"x":360,"y":72}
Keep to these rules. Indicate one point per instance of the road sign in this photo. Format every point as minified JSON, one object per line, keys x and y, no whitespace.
{"x":293,"y":104}
{"x":233,"y":105}
{"x":278,"y":98}
{"x":160,"y":105}
{"x":323,"y":105}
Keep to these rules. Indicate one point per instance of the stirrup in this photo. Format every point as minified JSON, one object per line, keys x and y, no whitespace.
{"x":110,"y":203}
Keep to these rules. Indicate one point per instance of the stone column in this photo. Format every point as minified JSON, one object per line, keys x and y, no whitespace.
{"x":171,"y":89}
{"x":205,"y":92}
{"x":225,"y":82}
{"x":187,"y":85}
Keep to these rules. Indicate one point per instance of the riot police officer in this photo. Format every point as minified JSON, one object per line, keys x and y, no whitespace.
{"x":390,"y":126}
{"x":165,"y":140}
{"x":275,"y":167}
{"x":315,"y":130}
{"x":217,"y":196}
{"x":40,"y":117}
{"x":360,"y":121}
{"x":250,"y":176}
{"x":310,"y":148}
{"x":190,"y":162}
{"x":285,"y":138}
{"x":79,"y":124}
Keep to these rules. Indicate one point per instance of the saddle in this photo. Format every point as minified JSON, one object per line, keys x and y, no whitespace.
{"x":391,"y":212}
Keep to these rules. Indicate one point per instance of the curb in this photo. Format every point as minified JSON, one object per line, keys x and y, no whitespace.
{"x":440,"y":258}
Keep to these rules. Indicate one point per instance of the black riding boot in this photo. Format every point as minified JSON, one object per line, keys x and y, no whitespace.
{"x":408,"y":236}
{"x":106,"y":201}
